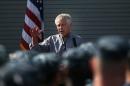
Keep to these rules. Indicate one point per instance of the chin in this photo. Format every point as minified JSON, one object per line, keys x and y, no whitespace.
{"x":66,"y":35}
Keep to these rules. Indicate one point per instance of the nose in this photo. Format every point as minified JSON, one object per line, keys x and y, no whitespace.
{"x":60,"y":28}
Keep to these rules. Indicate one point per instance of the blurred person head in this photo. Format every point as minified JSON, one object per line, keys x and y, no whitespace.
{"x":48,"y":67}
{"x":20,"y":75}
{"x":63,"y":23}
{"x":110,"y":66}
{"x":78,"y":65}
{"x":89,"y":47}
{"x":31,"y":54}
{"x":22,"y":56}
{"x":18,"y":56}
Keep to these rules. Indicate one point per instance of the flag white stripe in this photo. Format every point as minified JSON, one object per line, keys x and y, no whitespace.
{"x":26,"y":37}
{"x":29,"y":22}
{"x":33,"y":9}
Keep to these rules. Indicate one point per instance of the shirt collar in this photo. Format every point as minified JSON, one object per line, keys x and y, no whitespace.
{"x":68,"y":37}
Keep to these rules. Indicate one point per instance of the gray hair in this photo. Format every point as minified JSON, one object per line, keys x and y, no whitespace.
{"x":64,"y":16}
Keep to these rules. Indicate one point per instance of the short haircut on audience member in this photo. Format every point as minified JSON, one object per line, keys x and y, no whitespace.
{"x":112,"y":48}
{"x":78,"y":65}
{"x":48,"y":66}
{"x":20,"y":75}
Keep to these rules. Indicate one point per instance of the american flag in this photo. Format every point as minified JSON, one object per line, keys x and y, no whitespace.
{"x":33,"y":18}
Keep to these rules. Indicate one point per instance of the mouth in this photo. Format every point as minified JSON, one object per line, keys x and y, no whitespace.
{"x":61,"y":31}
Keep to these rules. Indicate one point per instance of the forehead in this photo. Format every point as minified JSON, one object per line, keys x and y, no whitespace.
{"x":61,"y":20}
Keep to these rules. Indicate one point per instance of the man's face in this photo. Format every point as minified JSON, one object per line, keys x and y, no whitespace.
{"x":63,"y":27}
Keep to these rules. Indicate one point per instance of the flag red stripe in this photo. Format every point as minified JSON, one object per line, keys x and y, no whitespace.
{"x":27,"y":29}
{"x":33,"y":18}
